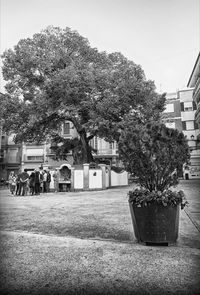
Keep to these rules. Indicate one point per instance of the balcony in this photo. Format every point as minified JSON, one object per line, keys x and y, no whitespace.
{"x":195,"y":153}
{"x":187,"y":116}
{"x":107,"y":152}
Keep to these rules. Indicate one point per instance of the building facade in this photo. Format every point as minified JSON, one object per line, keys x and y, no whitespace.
{"x":31,"y":155}
{"x":194,"y":81}
{"x":10,"y":156}
{"x":188,"y":110}
{"x":180,"y":114}
{"x":172,"y":112}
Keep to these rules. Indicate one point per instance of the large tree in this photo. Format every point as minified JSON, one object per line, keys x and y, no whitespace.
{"x":56,"y":76}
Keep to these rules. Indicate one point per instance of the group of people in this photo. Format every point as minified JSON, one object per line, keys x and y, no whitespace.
{"x":37,"y":182}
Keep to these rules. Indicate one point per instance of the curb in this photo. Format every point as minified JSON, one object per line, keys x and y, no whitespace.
{"x":192,"y":220}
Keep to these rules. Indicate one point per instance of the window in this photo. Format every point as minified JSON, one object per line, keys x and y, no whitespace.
{"x":188,"y":109}
{"x":111,"y":145}
{"x":35,"y":154}
{"x":189,"y":125}
{"x":184,"y":125}
{"x":95,"y":143}
{"x":12,"y":155}
{"x":169,"y":108}
{"x":196,"y":127}
{"x":188,"y":106}
{"x":66,"y":128}
{"x":35,"y":158}
{"x":1,"y":153}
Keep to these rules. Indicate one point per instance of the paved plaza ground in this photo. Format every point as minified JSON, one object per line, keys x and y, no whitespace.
{"x":83,"y":243}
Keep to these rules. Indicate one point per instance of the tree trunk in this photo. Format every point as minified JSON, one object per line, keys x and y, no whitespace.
{"x":86,"y":153}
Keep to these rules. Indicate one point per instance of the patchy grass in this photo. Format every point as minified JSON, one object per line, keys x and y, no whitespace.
{"x":102,"y":214}
{"x":96,"y":214}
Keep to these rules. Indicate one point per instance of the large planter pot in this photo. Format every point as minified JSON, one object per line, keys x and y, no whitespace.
{"x":155,"y":224}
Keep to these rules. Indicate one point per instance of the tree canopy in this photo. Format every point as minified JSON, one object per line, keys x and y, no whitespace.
{"x":56,"y":76}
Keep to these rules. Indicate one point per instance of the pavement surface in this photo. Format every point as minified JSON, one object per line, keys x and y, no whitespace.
{"x":46,"y":261}
{"x":192,"y":192}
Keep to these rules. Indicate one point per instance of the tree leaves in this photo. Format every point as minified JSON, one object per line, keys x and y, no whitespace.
{"x":57,"y":76}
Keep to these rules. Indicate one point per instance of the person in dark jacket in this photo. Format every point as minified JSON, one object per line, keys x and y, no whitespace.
{"x":41,"y":180}
{"x":18,"y":186}
{"x":32,"y":183}
{"x":48,"y":181}
{"x":37,"y":182}
{"x":24,"y":177}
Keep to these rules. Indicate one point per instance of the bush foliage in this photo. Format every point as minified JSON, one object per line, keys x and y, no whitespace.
{"x":154,"y":154}
{"x":142,"y":197}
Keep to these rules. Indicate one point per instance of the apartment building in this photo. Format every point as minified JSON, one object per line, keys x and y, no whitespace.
{"x":180,"y":114}
{"x":10,"y":156}
{"x":31,"y":155}
{"x":43,"y":155}
{"x":188,"y":110}
{"x":194,"y":81}
{"x":172,"y":112}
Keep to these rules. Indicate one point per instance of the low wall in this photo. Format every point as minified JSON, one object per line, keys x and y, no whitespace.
{"x":78,"y":179}
{"x":119,"y":179}
{"x":101,"y":177}
{"x":95,"y":179}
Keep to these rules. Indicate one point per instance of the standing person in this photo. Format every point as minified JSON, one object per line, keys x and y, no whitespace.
{"x":18,"y":185}
{"x":37,"y":182}
{"x":24,"y":177}
{"x":55,"y":180}
{"x":48,"y":181}
{"x":41,"y":180}
{"x":45,"y":181}
{"x":32,"y":183}
{"x":13,"y":183}
{"x":10,"y":180}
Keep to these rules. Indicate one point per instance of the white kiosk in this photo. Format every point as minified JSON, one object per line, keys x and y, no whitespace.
{"x":64,"y":177}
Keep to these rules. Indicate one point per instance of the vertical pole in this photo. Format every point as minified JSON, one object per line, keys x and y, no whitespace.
{"x":103,"y":168}
{"x":72,"y":178}
{"x":86,"y":177}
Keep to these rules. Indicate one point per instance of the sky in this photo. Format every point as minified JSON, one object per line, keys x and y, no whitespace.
{"x":163,"y":36}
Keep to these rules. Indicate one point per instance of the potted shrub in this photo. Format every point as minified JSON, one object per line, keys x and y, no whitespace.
{"x":155,"y":154}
